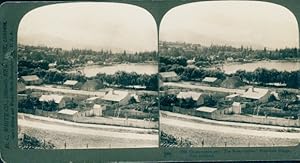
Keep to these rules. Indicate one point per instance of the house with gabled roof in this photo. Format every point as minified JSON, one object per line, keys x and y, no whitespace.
{"x":257,"y":94}
{"x":195,"y":96}
{"x":117,"y":97}
{"x":58,"y":99}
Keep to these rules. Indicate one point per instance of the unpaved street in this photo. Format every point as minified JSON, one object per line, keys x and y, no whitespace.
{"x":218,"y":134}
{"x":57,"y":131}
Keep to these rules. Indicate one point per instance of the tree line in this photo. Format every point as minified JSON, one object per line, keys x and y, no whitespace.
{"x":122,"y":78}
{"x":263,"y":76}
{"x":81,"y":56}
{"x":260,"y":76}
{"x":222,"y":52}
{"x":129,"y":79}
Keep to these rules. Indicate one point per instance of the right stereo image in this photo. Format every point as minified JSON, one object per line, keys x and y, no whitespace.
{"x":229,"y":75}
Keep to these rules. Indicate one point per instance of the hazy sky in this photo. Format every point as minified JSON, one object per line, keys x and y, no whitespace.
{"x":255,"y":24}
{"x":90,"y":25}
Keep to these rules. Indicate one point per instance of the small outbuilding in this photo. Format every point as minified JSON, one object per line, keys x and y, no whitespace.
{"x":98,"y":110}
{"x":210,"y":80}
{"x":67,"y":114}
{"x":31,"y":80}
{"x":71,"y":83}
{"x":95,"y":110}
{"x":191,"y":61}
{"x":236,"y":108}
{"x":206,"y":112}
{"x":52,"y":65}
{"x":169,"y":76}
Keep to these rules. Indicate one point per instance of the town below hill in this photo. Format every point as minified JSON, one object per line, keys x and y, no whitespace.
{"x":194,"y":81}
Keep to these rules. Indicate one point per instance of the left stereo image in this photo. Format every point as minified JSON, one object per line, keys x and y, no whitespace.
{"x":87,"y":77}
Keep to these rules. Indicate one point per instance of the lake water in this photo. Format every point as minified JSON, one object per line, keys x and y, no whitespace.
{"x":148,"y":69}
{"x":278,"y":65}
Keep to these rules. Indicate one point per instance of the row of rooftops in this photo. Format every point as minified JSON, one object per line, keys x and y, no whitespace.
{"x":172,"y":74}
{"x":73,"y":112}
{"x":35,"y":78}
{"x":113,"y":95}
{"x":258,"y":93}
{"x":250,"y":93}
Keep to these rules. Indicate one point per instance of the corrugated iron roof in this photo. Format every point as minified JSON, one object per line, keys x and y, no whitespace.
{"x":209,"y":79}
{"x":168,"y":74}
{"x":68,"y":111}
{"x":206,"y":109}
{"x":255,"y":93}
{"x":56,"y":98}
{"x":115,"y":95}
{"x":194,"y":95}
{"x":70,"y":82}
{"x":30,"y":78}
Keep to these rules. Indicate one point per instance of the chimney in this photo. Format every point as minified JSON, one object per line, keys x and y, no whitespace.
{"x":251,"y":89}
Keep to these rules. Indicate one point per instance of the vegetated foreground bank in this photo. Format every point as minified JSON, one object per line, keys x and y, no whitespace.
{"x":62,"y":140}
{"x":219,"y":139}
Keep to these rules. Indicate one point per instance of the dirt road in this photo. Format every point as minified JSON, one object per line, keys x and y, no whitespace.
{"x":238,"y":124}
{"x":78,"y":135}
{"x":220,"y":135}
{"x":227,"y":129}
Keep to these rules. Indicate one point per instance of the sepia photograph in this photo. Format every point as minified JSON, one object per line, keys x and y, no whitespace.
{"x":229,"y":75}
{"x":87,"y":77}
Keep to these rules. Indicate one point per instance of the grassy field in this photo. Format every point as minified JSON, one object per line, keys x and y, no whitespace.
{"x":220,"y":139}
